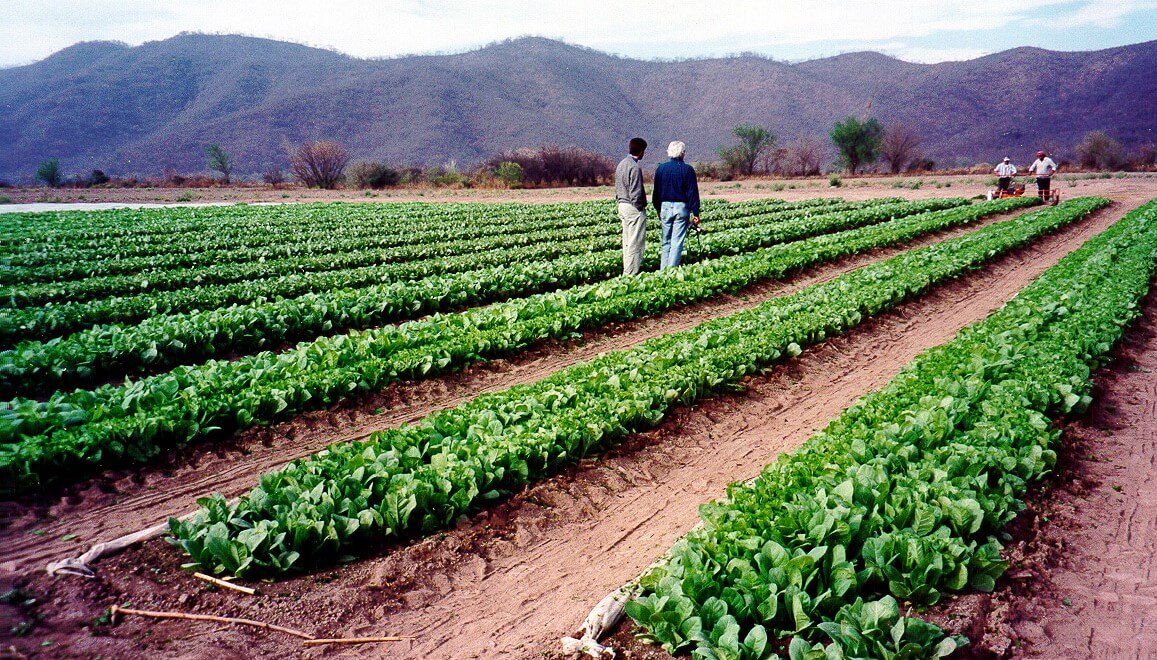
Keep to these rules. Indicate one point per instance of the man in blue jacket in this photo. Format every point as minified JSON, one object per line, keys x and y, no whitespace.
{"x":676,"y":199}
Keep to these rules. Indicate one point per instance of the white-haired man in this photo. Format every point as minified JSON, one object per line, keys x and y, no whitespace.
{"x":676,"y":199}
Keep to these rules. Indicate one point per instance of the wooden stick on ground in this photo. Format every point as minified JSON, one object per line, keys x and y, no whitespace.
{"x":355,"y":640}
{"x":115,"y":610}
{"x":310,"y":640}
{"x":222,"y":583}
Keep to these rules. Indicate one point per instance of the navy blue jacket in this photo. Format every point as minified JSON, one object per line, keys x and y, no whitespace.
{"x":675,"y":182}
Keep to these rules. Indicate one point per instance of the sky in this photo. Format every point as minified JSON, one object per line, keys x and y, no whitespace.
{"x":917,"y":31}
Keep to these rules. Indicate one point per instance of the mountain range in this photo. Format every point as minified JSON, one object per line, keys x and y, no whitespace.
{"x":145,"y":109}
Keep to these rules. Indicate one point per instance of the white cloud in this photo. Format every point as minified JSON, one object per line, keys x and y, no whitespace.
{"x":926,"y":55}
{"x":646,"y":28}
{"x":1103,"y":14}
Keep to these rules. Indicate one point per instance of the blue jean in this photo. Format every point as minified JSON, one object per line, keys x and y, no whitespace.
{"x":674,"y":221}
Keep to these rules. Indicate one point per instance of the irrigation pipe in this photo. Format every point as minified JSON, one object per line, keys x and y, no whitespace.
{"x":610,"y":610}
{"x":82,"y":565}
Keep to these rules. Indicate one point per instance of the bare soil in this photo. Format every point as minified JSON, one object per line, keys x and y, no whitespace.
{"x":852,"y":188}
{"x":510,"y":580}
{"x":118,"y":501}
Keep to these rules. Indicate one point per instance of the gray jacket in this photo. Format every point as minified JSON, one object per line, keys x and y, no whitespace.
{"x":629,"y":184}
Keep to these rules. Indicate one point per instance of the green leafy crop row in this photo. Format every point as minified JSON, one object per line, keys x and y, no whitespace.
{"x":181,"y":264}
{"x":71,"y":432}
{"x":232,"y":236}
{"x":420,"y":477}
{"x":42,"y":238}
{"x":169,"y":338}
{"x":54,"y":320}
{"x":904,"y":495}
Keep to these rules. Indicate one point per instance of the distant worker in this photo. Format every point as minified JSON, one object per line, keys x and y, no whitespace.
{"x":632,"y":201}
{"x":676,"y":198}
{"x":1004,"y":173}
{"x":1043,"y":167}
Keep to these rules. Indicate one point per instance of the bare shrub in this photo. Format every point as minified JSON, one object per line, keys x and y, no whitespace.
{"x":774,"y":161}
{"x":805,"y":156}
{"x":318,"y":164}
{"x":273,"y":176}
{"x":552,"y":165}
{"x":172,"y":178}
{"x":368,"y":174}
{"x":922,"y":165}
{"x":711,"y":172}
{"x":1099,"y":151}
{"x":1145,"y":156}
{"x":900,"y":147}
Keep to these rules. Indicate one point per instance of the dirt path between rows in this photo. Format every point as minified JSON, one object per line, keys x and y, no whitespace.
{"x":510,"y":580}
{"x":125,"y":501}
{"x":1100,"y":524}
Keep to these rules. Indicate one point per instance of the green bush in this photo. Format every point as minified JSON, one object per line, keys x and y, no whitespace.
{"x":49,"y":172}
{"x":834,"y":181}
{"x":449,"y":179}
{"x":509,"y":173}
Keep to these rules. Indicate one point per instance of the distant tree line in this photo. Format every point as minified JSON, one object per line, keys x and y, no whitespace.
{"x":859,"y":144}
{"x":852,"y":144}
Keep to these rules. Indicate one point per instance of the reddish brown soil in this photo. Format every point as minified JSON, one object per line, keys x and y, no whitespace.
{"x":119,"y":501}
{"x":510,"y":580}
{"x":864,"y":187}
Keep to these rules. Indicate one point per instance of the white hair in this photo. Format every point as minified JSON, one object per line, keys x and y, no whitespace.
{"x":676,"y":149}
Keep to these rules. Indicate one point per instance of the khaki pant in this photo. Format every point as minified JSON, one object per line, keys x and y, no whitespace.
{"x":634,"y":237}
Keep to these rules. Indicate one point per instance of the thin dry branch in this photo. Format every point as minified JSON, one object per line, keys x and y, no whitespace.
{"x":116,"y":609}
{"x":309,"y":640}
{"x":222,"y":583}
{"x":355,"y":640}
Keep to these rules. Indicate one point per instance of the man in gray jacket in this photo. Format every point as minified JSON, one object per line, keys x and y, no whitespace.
{"x":632,"y":201}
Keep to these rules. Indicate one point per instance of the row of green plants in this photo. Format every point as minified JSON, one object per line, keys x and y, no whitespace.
{"x":421,"y":477}
{"x":57,"y":320}
{"x":219,"y":226}
{"x":72,"y":433}
{"x":112,"y":351}
{"x":231,"y":238}
{"x":320,"y":252}
{"x":592,"y":230}
{"x":207,"y":226}
{"x":362,"y":228}
{"x":905,"y":495}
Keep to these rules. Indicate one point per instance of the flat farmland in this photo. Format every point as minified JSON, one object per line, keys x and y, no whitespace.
{"x":452,"y":421}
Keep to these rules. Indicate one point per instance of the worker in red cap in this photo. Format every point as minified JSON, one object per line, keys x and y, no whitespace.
{"x":1043,"y":167}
